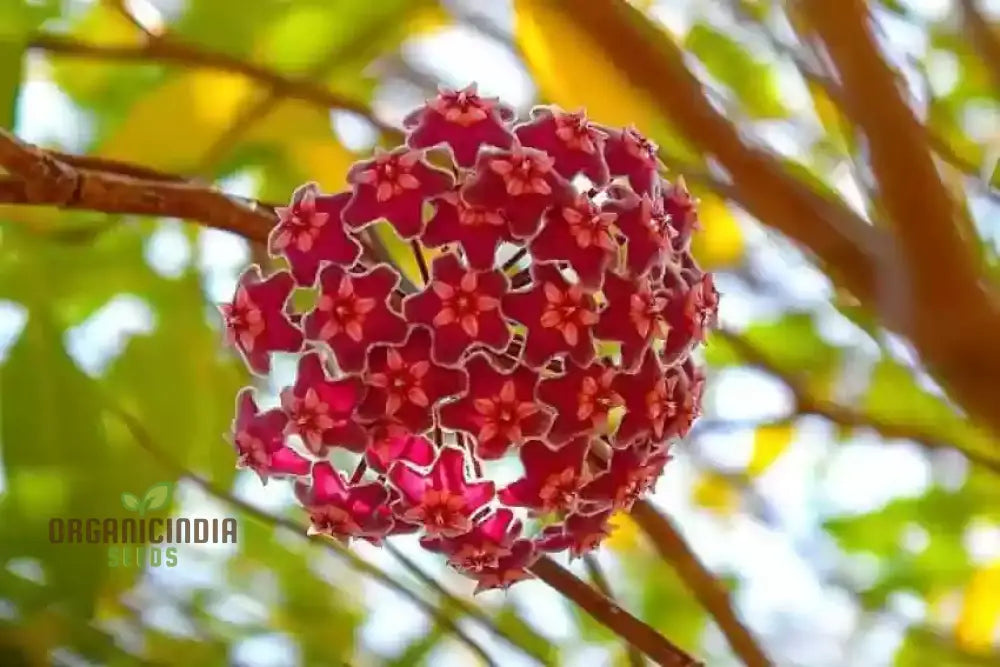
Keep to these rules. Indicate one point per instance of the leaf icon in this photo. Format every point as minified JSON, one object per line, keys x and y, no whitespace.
{"x":157,"y":496}
{"x":130,"y":502}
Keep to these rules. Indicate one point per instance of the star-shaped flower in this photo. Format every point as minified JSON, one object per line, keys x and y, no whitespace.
{"x":575,"y":144}
{"x":384,"y":451}
{"x":405,"y":384}
{"x":322,"y":411}
{"x":635,"y":316}
{"x":509,"y":569}
{"x":681,"y":209}
{"x":650,"y":401}
{"x":499,"y":410}
{"x":259,"y":437}
{"x":520,"y":182}
{"x":580,"y":533}
{"x":490,"y":539}
{"x":582,"y":398}
{"x":477,"y":229}
{"x":552,"y":477}
{"x":310,"y":231}
{"x":340,"y":510}
{"x":462,"y":307}
{"x":646,"y":229}
{"x":394,"y":186}
{"x":442,"y":499}
{"x":631,"y":473}
{"x":257,"y":321}
{"x":559,"y":317}
{"x":353,"y":313}
{"x":463,"y":120}
{"x":630,"y":154}
{"x":581,"y":235}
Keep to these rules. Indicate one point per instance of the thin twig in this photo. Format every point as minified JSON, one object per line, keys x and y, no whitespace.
{"x":600,"y":581}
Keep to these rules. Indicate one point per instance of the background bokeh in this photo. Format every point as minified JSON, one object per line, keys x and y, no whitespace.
{"x":850,"y":507}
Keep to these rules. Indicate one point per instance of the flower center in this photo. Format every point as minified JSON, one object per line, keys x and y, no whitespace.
{"x":347,"y":313}
{"x":402,"y":382}
{"x":590,"y":228}
{"x":462,"y":305}
{"x":392,"y":175}
{"x":524,"y":174}
{"x":476,"y":558}
{"x":566,"y":312}
{"x":559,"y":491}
{"x":574,"y":131}
{"x":596,"y":398}
{"x":253,"y":452}
{"x":478,"y":216}
{"x":333,"y":520}
{"x":244,"y":319}
{"x":441,"y":513}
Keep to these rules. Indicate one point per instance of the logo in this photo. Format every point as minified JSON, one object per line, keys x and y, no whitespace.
{"x":145,"y":539}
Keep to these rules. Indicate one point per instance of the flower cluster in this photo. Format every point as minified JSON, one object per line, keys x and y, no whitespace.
{"x":554,"y":326}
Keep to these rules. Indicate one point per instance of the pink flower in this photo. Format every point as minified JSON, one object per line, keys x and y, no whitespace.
{"x":257,"y":322}
{"x":631,"y":473}
{"x":582,"y":397}
{"x":552,"y":477}
{"x":576,"y":145}
{"x":477,"y":229}
{"x":480,"y":549}
{"x":509,"y":569}
{"x":579,"y":533}
{"x":340,"y":510}
{"x":632,"y":155}
{"x":581,"y":235}
{"x":322,"y":411}
{"x":259,"y":437}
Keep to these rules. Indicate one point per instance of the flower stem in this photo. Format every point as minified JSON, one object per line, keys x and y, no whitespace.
{"x":418,"y":254}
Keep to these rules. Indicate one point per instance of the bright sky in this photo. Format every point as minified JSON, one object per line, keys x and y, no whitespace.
{"x":804,"y":621}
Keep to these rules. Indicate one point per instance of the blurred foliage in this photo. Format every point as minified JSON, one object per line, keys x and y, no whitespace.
{"x":68,"y":365}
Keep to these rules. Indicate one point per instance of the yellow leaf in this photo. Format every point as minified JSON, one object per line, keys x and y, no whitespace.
{"x":625,"y":534}
{"x":171,"y":126}
{"x":980,"y":616}
{"x":769,"y":443}
{"x":719,"y":242}
{"x":715,"y":493}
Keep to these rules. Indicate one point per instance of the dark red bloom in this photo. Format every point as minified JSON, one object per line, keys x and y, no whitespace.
{"x":443,"y":499}
{"x":630,"y":154}
{"x":490,"y":539}
{"x":581,"y":235}
{"x":635,"y":316}
{"x":479,"y":230}
{"x":574,"y":143}
{"x":384,"y":451}
{"x":520,"y":182}
{"x":499,"y":410}
{"x":405,"y":384}
{"x":509,"y":569}
{"x":646,"y":229}
{"x":463,"y":120}
{"x":579,"y":533}
{"x":322,"y":411}
{"x":353,"y":313}
{"x":582,"y":398}
{"x":559,"y":317}
{"x":257,"y":322}
{"x":394,"y":186}
{"x":310,"y":231}
{"x":552,"y":477}
{"x":680,"y":209}
{"x":340,"y":510}
{"x":688,"y":390}
{"x":259,"y":437}
{"x":650,"y":401}
{"x":462,"y":307}
{"x":691,"y":311}
{"x":629,"y":475}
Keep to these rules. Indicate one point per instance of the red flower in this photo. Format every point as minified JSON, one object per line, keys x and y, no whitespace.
{"x":462,"y":307}
{"x":650,"y":401}
{"x":630,"y":154}
{"x":490,"y":539}
{"x":479,"y":230}
{"x":576,"y":146}
{"x":340,"y":510}
{"x":646,"y":228}
{"x":463,"y":120}
{"x":310,"y":231}
{"x":579,"y":533}
{"x":691,"y":311}
{"x":630,"y":474}
{"x":559,"y":317}
{"x":259,"y":437}
{"x":635,"y":316}
{"x":384,"y":451}
{"x":582,"y":398}
{"x":394,"y":186}
{"x":688,"y":390}
{"x":442,"y":500}
{"x":581,"y":235}
{"x":680,"y":209}
{"x":257,"y":321}
{"x":520,"y":182}
{"x":499,"y":410}
{"x":353,"y":313}
{"x":321,"y":411}
{"x":552,"y":478}
{"x":509,"y":569}
{"x":405,"y":384}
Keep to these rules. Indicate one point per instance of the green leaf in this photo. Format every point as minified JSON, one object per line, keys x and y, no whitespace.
{"x":130,"y":502}
{"x":729,"y":62}
{"x":157,"y":496}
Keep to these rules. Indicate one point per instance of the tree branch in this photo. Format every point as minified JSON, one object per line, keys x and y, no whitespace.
{"x":706,"y":588}
{"x":602,"y":584}
{"x":606,"y":612}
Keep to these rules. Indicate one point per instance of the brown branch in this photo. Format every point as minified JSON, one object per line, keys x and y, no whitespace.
{"x":945,"y":274}
{"x":600,"y":581}
{"x":169,"y":50}
{"x":607,"y":612}
{"x":706,"y":588}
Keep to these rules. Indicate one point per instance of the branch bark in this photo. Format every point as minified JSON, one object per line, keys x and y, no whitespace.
{"x":600,"y":581}
{"x":607,"y":612}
